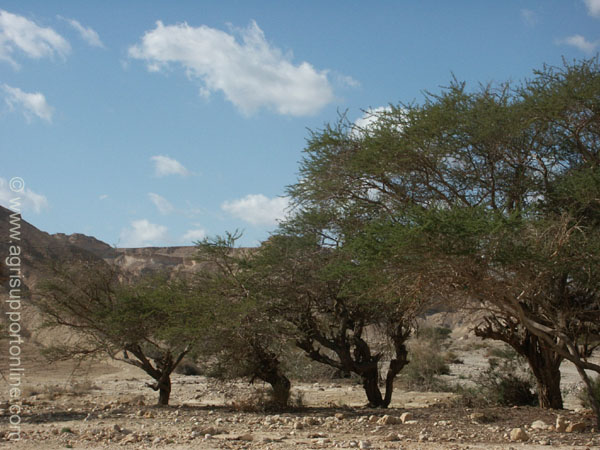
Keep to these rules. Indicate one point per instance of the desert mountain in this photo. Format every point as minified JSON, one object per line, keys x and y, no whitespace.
{"x":39,"y":249}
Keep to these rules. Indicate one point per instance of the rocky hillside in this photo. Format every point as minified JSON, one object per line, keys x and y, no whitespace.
{"x":39,"y":249}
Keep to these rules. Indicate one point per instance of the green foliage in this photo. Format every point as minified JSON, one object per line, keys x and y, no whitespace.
{"x":151,"y":324}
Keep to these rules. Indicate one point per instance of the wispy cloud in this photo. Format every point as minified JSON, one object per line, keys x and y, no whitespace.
{"x":161,"y":203}
{"x":252,"y":74}
{"x":87,"y":33}
{"x":593,"y":7}
{"x":29,"y":200}
{"x":164,"y":166}
{"x":581,"y":43}
{"x":194,"y":235}
{"x":142,"y":233}
{"x":529,"y":17}
{"x":30,"y":104}
{"x":20,"y":34}
{"x":258,"y":209}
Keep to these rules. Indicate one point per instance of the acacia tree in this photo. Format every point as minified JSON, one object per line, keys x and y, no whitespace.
{"x":151,"y":324}
{"x":311,"y":280}
{"x":462,"y":169}
{"x":245,"y":339}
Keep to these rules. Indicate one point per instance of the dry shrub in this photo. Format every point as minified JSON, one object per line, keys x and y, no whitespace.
{"x":583,"y":395}
{"x":427,"y":362}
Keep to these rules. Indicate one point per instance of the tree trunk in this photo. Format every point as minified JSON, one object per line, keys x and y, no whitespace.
{"x":543,"y":361}
{"x":370,"y":381}
{"x":164,"y":390}
{"x":548,"y":387}
{"x":281,"y":387}
{"x":545,"y":365}
{"x":396,"y":366}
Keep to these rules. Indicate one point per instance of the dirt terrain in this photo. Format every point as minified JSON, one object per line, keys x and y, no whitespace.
{"x":106,"y":405}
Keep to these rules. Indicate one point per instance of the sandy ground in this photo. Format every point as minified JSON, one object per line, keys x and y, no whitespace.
{"x":106,"y":405}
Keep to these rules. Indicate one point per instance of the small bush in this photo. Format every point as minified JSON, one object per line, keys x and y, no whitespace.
{"x":425,"y":365}
{"x":502,"y":383}
{"x":434,"y":334}
{"x":583,"y":395}
{"x":259,"y":401}
{"x":188,"y":368}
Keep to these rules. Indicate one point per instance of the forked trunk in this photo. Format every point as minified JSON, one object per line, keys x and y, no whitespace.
{"x":370,"y":381}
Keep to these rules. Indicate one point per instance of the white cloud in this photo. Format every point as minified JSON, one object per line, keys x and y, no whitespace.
{"x":30,"y":104}
{"x":252,"y":74}
{"x":19,"y":33}
{"x":593,"y":7}
{"x":161,"y":203}
{"x":103,"y":197}
{"x":258,"y":209}
{"x":529,"y":17}
{"x":369,"y":120}
{"x":143,"y":233}
{"x":87,"y":34}
{"x":163,"y":166}
{"x":28,"y":199}
{"x":581,"y":43}
{"x":347,"y":81}
{"x":194,"y":235}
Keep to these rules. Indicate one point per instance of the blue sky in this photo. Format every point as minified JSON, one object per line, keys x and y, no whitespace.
{"x":157,"y":123}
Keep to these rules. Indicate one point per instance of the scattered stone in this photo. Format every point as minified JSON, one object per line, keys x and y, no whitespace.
{"x":405,"y":417}
{"x":364,"y":445}
{"x":340,"y":416}
{"x":317,"y":435}
{"x":387,"y":420}
{"x":518,"y":434}
{"x":539,"y":425}
{"x":478,"y":417}
{"x":373,"y":419}
{"x":205,"y":430}
{"x":245,"y":437}
{"x":575,"y":427}
{"x":561,"y":424}
{"x":311,"y":421}
{"x":391,"y":437}
{"x":298,"y":425}
{"x":131,"y":439}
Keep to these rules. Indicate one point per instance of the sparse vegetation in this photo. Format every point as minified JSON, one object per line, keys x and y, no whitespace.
{"x":584,"y":396}
{"x":152,"y":324}
{"x":486,"y":199}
